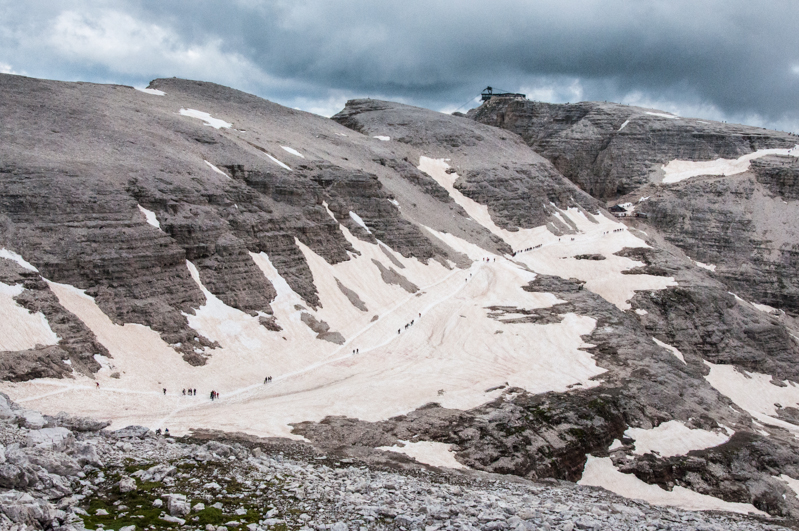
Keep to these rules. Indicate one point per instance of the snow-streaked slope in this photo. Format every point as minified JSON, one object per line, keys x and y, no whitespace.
{"x":14,"y":257}
{"x":600,"y":472}
{"x":598,"y":235}
{"x":19,"y":328}
{"x":679,"y":170}
{"x":427,"y":452}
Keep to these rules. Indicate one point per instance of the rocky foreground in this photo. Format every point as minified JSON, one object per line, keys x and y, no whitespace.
{"x":67,"y":473}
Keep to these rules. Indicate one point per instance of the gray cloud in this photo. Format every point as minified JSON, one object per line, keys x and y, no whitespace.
{"x":730,"y":59}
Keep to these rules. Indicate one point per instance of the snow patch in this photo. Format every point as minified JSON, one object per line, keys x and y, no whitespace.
{"x":615,"y":445}
{"x":709,"y":267}
{"x":357,"y":219}
{"x":216,"y":123}
{"x":11,"y":255}
{"x":671,"y":349}
{"x":624,"y":125}
{"x":154,"y":92}
{"x":663,"y":115}
{"x":673,"y":438}
{"x":217,"y":170}
{"x":273,"y":159}
{"x":680,"y":170}
{"x":383,"y":138}
{"x":394,"y":202}
{"x":600,"y":472}
{"x":641,"y":311}
{"x":755,"y":393}
{"x":149,"y":215}
{"x":793,"y":484}
{"x":293,"y":151}
{"x":19,"y":328}
{"x":427,"y":452}
{"x":765,"y":308}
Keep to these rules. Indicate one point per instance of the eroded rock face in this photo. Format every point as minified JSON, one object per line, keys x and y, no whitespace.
{"x":610,"y":150}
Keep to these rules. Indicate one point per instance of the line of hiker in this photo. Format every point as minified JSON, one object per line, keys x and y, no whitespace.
{"x":192,"y":392}
{"x":409,"y":324}
{"x":356,"y":350}
{"x":267,"y":380}
{"x":166,"y":432}
{"x":529,"y":249}
{"x":214,"y":395}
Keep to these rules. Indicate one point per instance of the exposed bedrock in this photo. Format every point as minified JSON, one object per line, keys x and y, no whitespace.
{"x":495,"y":168}
{"x":610,"y":149}
{"x":744,"y":225}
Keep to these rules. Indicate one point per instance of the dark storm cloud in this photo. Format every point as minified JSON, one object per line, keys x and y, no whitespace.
{"x":727,"y":59}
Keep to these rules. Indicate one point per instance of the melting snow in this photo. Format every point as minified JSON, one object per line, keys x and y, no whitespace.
{"x":19,"y":328}
{"x":154,"y":92}
{"x":383,"y":138}
{"x":679,"y":170}
{"x":624,"y":125}
{"x":11,"y":255}
{"x":671,"y":349}
{"x":150,"y":217}
{"x":217,"y":170}
{"x":427,"y":452}
{"x":357,"y":219}
{"x":293,"y":151}
{"x":600,"y":472}
{"x":674,"y":438}
{"x":216,"y":123}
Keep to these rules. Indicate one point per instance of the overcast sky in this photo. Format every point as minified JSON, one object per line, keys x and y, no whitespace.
{"x":726,"y":59}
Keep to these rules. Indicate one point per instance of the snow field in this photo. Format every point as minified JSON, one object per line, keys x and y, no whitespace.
{"x":754,"y":393}
{"x":382,"y":138}
{"x":282,"y":165}
{"x":680,"y":170}
{"x":19,"y":328}
{"x":216,"y":123}
{"x":427,"y":452}
{"x":555,"y":257}
{"x":600,"y":472}
{"x":792,"y":483}
{"x":357,"y":219}
{"x":149,"y":215}
{"x":663,"y":115}
{"x":709,"y":267}
{"x":674,"y":438}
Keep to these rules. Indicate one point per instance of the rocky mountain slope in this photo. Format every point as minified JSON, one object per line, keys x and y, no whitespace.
{"x":723,"y":193}
{"x":393,"y":281}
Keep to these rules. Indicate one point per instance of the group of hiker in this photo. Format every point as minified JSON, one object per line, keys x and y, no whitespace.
{"x":192,"y":392}
{"x":356,"y":350}
{"x":267,"y":379}
{"x":166,"y":432}
{"x":214,"y":395}
{"x":407,"y":325}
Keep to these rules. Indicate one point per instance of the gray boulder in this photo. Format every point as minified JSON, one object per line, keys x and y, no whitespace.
{"x":50,"y":438}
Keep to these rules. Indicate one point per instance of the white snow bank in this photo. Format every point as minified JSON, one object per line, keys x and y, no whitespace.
{"x":293,"y":151}
{"x":671,"y":349}
{"x":624,"y":125}
{"x":149,"y":215}
{"x":709,"y":267}
{"x":19,"y":328}
{"x":383,"y":138}
{"x":216,"y":123}
{"x":600,"y":472}
{"x":11,"y":255}
{"x":273,"y":159}
{"x":662,"y":115}
{"x":154,"y":92}
{"x":394,"y":202}
{"x":427,"y":452}
{"x":217,"y":170}
{"x":679,"y":170}
{"x":754,"y":393}
{"x":357,"y":219}
{"x":674,"y":438}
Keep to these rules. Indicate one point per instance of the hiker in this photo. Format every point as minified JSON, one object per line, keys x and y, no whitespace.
{"x":184,"y":392}
{"x":166,"y":432}
{"x":164,"y":390}
{"x":266,"y":379}
{"x":195,"y":392}
{"x":212,"y":396}
{"x":97,"y":384}
{"x":158,"y":431}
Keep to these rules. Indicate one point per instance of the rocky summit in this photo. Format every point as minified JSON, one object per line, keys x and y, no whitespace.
{"x":221,"y":313}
